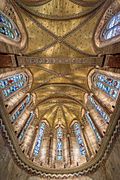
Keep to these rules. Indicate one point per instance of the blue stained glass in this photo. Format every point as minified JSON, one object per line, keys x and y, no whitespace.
{"x":21,"y":135}
{"x":5,"y":21}
{"x":39,"y":139}
{"x":99,"y":109}
{"x":21,"y":108}
{"x":92,"y":126}
{"x":112,"y":28}
{"x":108,"y":85}
{"x":12,"y":83}
{"x":110,"y":81}
{"x":7,"y":27}
{"x":59,"y":144}
{"x":77,"y":131}
{"x":114,"y":21}
{"x":11,"y":80}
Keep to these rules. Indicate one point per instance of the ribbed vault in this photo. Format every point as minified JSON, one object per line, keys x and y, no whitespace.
{"x":59,"y":119}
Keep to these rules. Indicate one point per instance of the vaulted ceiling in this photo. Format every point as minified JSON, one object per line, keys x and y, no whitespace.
{"x":58,"y":28}
{"x":60,"y":91}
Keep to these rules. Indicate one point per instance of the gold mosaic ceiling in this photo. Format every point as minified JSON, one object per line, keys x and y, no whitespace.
{"x":60,"y":90}
{"x":58,"y":28}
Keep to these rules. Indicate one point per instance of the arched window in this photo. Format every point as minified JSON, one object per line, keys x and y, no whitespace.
{"x":39,"y":138}
{"x":27,"y":124}
{"x":21,"y":108}
{"x":77,"y":132}
{"x":108,"y":85}
{"x":99,"y":109}
{"x":112,"y":28}
{"x":59,"y":143}
{"x":98,"y":138}
{"x":10,"y":84}
{"x":8,"y":28}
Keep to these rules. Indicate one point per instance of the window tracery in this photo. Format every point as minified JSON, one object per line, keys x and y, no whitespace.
{"x":39,"y":138}
{"x":112,"y":28}
{"x":108,"y":85}
{"x":98,"y":138}
{"x":8,"y":27}
{"x":59,"y":143}
{"x":27,"y":124}
{"x":99,"y":109}
{"x":77,"y":132}
{"x":21,"y":108}
{"x":12,"y":84}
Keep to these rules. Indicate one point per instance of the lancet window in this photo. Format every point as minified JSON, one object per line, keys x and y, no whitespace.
{"x":39,"y":138}
{"x":77,"y":132}
{"x":98,"y":138}
{"x":27,"y":124}
{"x":8,"y":27}
{"x":21,"y":108}
{"x":99,"y":109}
{"x":109,"y":85}
{"x":112,"y":28}
{"x":59,"y":143}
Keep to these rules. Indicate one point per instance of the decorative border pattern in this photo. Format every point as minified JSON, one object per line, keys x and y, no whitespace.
{"x":89,"y":61}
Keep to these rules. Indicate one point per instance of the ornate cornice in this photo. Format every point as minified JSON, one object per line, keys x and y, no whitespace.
{"x":90,"y":166}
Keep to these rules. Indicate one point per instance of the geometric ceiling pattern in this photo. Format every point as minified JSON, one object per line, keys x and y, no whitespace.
{"x":60,"y":93}
{"x":58,"y":26}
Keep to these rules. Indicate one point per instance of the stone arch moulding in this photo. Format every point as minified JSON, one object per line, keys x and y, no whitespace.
{"x":34,"y":2}
{"x":99,"y":42}
{"x":25,"y":163}
{"x":11,"y":13}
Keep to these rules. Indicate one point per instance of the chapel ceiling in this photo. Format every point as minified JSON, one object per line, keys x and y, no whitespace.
{"x":59,"y":29}
{"x":62,"y":28}
{"x":59,"y":89}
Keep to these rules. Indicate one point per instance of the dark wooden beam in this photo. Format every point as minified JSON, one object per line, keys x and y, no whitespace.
{"x":7,"y":61}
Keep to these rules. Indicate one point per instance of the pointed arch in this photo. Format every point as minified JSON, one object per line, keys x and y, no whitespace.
{"x":59,"y":148}
{"x":39,"y":138}
{"x":26,"y":126}
{"x":105,"y":85}
{"x":12,"y":82}
{"x":108,"y":30}
{"x":11,"y":32}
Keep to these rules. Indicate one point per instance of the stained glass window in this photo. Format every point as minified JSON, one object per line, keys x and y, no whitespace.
{"x":27,"y":124}
{"x":99,"y":109}
{"x":39,"y":138}
{"x":109,"y":85}
{"x":21,"y":108}
{"x":92,"y":126}
{"x":13,"y":83}
{"x":59,"y":143}
{"x":8,"y":28}
{"x":112,"y":28}
{"x":77,"y":132}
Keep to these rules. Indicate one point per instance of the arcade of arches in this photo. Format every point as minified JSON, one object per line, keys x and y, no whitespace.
{"x":59,"y":89}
